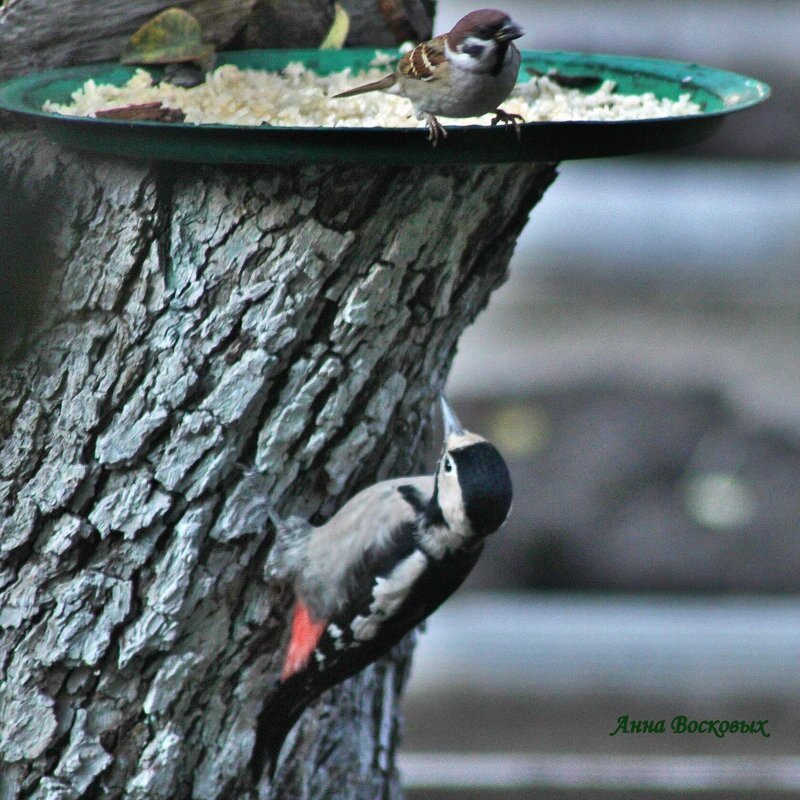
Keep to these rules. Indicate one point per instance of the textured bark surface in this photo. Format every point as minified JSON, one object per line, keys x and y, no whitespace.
{"x":174,"y":322}
{"x":304,"y":23}
{"x":397,"y":21}
{"x":301,"y":23}
{"x":300,"y":321}
{"x":35,"y":34}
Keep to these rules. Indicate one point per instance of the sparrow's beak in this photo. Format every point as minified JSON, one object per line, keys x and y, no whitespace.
{"x":451,"y":424}
{"x":509,"y":31}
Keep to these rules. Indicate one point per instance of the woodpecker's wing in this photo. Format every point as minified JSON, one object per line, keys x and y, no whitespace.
{"x":393,"y":603}
{"x":390,"y":565}
{"x":378,"y":569}
{"x":425,"y":62}
{"x":356,"y":544}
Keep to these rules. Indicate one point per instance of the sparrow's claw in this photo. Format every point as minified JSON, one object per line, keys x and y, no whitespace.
{"x":507,"y":118}
{"x":435,"y":130}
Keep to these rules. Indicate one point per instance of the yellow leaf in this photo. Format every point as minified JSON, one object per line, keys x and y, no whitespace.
{"x":336,"y":36}
{"x":173,"y":36}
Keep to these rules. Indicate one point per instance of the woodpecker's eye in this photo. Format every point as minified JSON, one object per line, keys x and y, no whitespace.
{"x":448,"y":464}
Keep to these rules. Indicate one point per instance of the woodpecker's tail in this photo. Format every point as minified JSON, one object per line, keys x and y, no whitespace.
{"x":376,"y":86}
{"x":285,"y":557}
{"x":275,"y":721}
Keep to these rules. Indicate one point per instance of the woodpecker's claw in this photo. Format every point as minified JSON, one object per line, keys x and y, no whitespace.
{"x":435,"y":129}
{"x":276,"y":521}
{"x":247,"y":470}
{"x":507,"y":118}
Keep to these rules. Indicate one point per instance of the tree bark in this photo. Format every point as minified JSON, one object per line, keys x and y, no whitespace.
{"x":398,"y":21}
{"x":35,"y":34}
{"x":298,"y":320}
{"x":274,"y":23}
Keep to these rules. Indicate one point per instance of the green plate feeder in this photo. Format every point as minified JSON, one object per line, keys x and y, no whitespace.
{"x":718,"y":92}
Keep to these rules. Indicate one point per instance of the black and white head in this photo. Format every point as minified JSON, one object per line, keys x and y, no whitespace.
{"x":473,"y":482}
{"x":479,"y":41}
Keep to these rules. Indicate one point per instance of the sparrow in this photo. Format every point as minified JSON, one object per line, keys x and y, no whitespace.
{"x":464,"y":73}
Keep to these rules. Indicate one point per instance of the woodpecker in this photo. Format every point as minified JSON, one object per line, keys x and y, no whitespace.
{"x":387,"y":559}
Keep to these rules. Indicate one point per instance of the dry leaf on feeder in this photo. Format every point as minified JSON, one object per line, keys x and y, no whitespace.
{"x":172,"y":37}
{"x":149,"y":112}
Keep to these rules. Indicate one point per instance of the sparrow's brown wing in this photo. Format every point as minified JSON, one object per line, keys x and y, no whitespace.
{"x":424,"y":62}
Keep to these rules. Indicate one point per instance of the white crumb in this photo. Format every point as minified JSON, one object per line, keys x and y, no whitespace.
{"x":299,"y":97}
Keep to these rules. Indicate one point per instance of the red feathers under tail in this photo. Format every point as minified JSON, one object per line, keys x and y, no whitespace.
{"x":305,"y":635}
{"x":287,"y":703}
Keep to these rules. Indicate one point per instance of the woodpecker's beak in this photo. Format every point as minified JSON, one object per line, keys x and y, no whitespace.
{"x":509,"y":31}
{"x":451,"y":424}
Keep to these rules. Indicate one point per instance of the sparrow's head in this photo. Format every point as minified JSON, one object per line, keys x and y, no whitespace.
{"x":473,"y":483}
{"x":477,"y":38}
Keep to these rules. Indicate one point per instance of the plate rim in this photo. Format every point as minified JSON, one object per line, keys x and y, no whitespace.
{"x":761,"y":91}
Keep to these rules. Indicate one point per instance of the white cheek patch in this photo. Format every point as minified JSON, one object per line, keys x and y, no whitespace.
{"x":459,"y":59}
{"x":388,"y":595}
{"x":452,"y":504}
{"x":469,"y":62}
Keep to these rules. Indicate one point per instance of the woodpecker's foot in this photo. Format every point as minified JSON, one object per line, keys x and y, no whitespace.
{"x":506,"y":118}
{"x":277,"y":522}
{"x":435,"y":130}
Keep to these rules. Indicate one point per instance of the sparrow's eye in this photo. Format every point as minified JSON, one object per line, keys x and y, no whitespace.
{"x":473,"y":50}
{"x":448,"y":464}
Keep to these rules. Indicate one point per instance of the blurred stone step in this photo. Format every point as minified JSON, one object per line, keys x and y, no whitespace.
{"x":663,"y":648}
{"x":572,"y":771}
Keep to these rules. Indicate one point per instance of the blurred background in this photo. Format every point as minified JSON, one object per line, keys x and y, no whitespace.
{"x":641,"y":371}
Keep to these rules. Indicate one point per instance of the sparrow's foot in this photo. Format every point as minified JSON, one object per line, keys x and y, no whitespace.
{"x":435,"y":129}
{"x":506,"y":118}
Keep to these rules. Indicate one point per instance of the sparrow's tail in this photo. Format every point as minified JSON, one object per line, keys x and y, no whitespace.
{"x":376,"y":86}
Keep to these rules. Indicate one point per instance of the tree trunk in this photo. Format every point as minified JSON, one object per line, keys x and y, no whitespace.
{"x":304,"y":23}
{"x":35,"y":34}
{"x":398,"y":21}
{"x":298,"y":320}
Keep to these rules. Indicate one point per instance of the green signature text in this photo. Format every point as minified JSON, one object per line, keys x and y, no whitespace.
{"x":680,"y":724}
